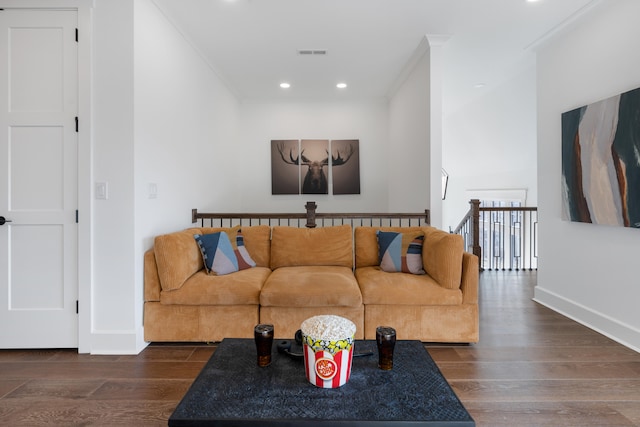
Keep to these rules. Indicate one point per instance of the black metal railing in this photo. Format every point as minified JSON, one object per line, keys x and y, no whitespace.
{"x":312,"y":218}
{"x":503,"y":238}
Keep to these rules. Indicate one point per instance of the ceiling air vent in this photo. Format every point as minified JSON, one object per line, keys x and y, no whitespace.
{"x":312,"y":52}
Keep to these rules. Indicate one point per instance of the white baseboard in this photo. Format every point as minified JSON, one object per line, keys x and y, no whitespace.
{"x":117,"y":342}
{"x":603,"y":324}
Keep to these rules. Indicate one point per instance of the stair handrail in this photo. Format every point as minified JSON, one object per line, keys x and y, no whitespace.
{"x":471,"y":228}
{"x":472,"y":221}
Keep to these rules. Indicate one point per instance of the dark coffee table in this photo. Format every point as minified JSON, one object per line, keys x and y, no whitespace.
{"x":232,"y":390}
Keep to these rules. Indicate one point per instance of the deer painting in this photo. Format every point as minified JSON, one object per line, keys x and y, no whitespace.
{"x":315,"y":180}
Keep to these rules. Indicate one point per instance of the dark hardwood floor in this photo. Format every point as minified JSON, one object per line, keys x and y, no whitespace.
{"x":535,"y":367}
{"x":532,"y":367}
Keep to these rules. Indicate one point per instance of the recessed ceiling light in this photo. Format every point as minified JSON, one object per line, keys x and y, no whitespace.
{"x":479,"y":85}
{"x":285,"y":85}
{"x":341,"y":85}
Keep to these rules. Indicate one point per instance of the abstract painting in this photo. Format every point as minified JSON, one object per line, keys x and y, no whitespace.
{"x":601,"y":161}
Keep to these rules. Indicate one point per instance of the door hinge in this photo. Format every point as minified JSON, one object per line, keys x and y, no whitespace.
{"x":77,"y":307}
{"x":76,"y":216}
{"x":76,"y":123}
{"x":76,"y":34}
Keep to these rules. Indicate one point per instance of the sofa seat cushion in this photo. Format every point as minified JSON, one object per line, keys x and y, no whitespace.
{"x":311,"y":286}
{"x":239,"y":288}
{"x":379,"y":287}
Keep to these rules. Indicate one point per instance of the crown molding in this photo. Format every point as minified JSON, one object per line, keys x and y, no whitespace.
{"x":564,"y":26}
{"x":426,"y":43}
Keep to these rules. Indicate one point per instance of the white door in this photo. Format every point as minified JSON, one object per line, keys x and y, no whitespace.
{"x":38,"y":179}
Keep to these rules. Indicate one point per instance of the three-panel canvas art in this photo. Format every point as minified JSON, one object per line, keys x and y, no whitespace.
{"x":315,"y":166}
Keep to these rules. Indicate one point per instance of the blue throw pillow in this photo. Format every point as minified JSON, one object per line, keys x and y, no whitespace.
{"x":400,"y":252}
{"x":222,"y":255}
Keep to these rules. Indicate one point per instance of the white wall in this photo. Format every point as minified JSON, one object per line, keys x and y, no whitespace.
{"x":395,"y":147}
{"x":587,"y":272}
{"x":162,"y":116}
{"x":260,"y":123}
{"x":112,"y":291}
{"x":185,"y":121}
{"x":416,"y":132}
{"x":490,"y":144}
{"x":408,"y":148}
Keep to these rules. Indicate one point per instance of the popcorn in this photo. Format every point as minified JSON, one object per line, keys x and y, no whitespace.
{"x":328,"y":328}
{"x":328,"y":350}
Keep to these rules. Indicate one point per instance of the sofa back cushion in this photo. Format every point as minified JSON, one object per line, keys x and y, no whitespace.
{"x":441,"y":252}
{"x":292,"y":246}
{"x":178,"y":256}
{"x":442,"y":257}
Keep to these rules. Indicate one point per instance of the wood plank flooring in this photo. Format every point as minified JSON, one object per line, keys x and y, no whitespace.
{"x":535,"y":367}
{"x":532,"y":367}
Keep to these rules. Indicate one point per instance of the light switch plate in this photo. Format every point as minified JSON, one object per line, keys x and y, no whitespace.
{"x":152,"y":190}
{"x":102,"y":190}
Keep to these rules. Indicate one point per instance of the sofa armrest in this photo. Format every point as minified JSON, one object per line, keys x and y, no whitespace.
{"x":151,"y":278}
{"x":470,"y":278}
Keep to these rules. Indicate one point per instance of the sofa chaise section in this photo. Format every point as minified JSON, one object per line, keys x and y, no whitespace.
{"x":439,"y":306}
{"x":184,"y":303}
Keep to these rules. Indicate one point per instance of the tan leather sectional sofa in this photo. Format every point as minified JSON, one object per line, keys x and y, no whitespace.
{"x":303,"y":272}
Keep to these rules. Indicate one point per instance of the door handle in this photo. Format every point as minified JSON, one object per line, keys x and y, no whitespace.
{"x":3,"y":220}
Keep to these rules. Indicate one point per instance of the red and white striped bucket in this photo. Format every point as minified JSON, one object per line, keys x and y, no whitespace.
{"x":328,"y":350}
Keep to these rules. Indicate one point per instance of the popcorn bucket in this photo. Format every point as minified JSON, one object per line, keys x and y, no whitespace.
{"x":327,"y":343}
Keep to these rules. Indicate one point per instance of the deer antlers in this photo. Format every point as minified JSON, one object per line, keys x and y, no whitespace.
{"x":335,"y":160}
{"x":296,"y":161}
{"x":292,"y":161}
